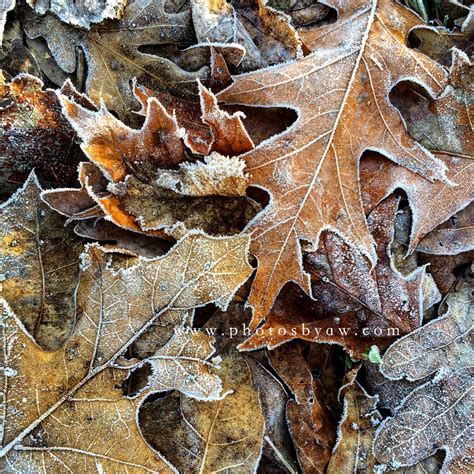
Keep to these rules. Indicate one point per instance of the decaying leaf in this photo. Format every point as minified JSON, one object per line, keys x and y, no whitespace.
{"x":81,"y":14}
{"x":34,"y":134}
{"x":39,"y":260}
{"x":222,"y":435}
{"x":113,"y":53}
{"x":340,"y":92}
{"x":357,"y":305}
{"x":439,"y":413}
{"x":445,"y":126}
{"x":353,"y":450}
{"x":115,"y":306}
{"x":265,"y":33}
{"x":310,"y":419}
{"x":273,"y":399}
{"x":208,"y":196}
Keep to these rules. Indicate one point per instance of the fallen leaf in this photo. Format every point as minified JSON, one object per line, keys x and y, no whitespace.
{"x":119,"y":150}
{"x":437,"y":42}
{"x":453,"y":237}
{"x":39,"y":258}
{"x":77,"y":203}
{"x":115,"y":307}
{"x":340,"y":92}
{"x":438,"y":414}
{"x":113,"y":53}
{"x":116,"y":239}
{"x":34,"y":134}
{"x":310,"y":418}
{"x":230,"y":136}
{"x":265,"y":33}
{"x":220,"y":76}
{"x":198,"y":436}
{"x":353,"y":449}
{"x":184,"y":200}
{"x":273,"y":399}
{"x":81,"y":15}
{"x":443,"y":125}
{"x":357,"y":305}
{"x":6,"y":7}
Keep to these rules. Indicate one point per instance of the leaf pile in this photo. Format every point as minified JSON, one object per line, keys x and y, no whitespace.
{"x":236,"y":236}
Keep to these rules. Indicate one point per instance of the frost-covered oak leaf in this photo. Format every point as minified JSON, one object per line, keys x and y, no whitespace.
{"x":341,"y":95}
{"x":443,"y":125}
{"x":208,"y":128}
{"x":114,"y":308}
{"x":39,"y":261}
{"x":438,"y":414}
{"x":224,"y":435}
{"x":119,"y":150}
{"x":351,"y":293}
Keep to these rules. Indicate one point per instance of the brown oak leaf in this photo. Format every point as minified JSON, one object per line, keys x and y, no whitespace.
{"x":115,"y":307}
{"x":443,"y":125}
{"x":438,"y":414}
{"x":357,"y":305}
{"x":340,"y":92}
{"x":208,"y":128}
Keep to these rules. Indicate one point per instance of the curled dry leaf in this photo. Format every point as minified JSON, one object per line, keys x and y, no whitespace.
{"x":222,"y":435}
{"x":115,"y":307}
{"x":39,"y":259}
{"x":273,"y":399}
{"x":34,"y":134}
{"x":113,"y":55}
{"x":443,"y":125}
{"x":353,"y":449}
{"x":81,"y":14}
{"x":230,"y":136}
{"x":159,"y":207}
{"x":357,"y":305}
{"x":265,"y":33}
{"x":340,"y":92}
{"x":439,"y":413}
{"x":148,"y":198}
